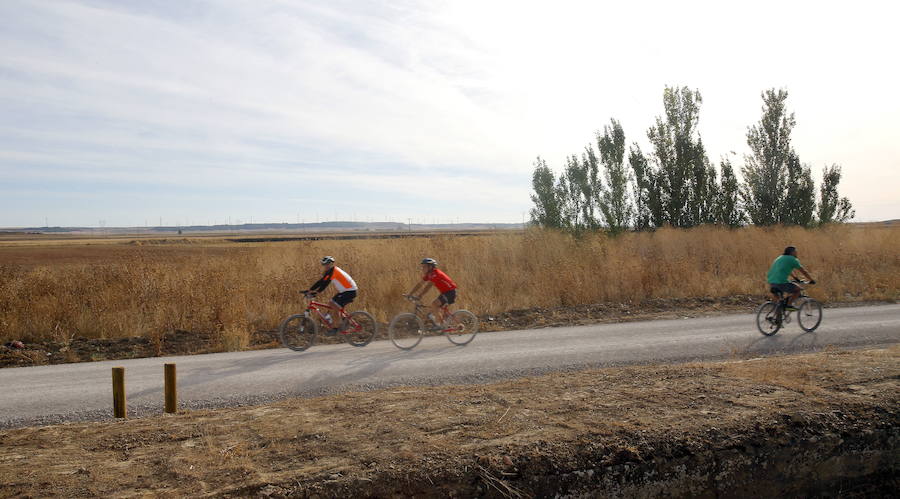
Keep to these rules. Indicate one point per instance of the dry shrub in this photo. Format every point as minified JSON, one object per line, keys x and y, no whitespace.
{"x":235,"y":337}
{"x":236,"y":289}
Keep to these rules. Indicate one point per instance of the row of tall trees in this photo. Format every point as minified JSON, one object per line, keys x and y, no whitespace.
{"x":674,"y":183}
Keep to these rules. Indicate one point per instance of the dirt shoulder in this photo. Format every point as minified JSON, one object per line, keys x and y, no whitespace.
{"x":191,"y":343}
{"x":498,"y":439}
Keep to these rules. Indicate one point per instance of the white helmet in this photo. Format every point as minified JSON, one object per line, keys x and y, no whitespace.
{"x":327,"y":259}
{"x":429,"y":261}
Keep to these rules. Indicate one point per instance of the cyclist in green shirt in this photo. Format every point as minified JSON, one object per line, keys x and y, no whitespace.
{"x":780,"y":273}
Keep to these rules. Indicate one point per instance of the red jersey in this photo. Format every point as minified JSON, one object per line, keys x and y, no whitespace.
{"x":441,"y":280}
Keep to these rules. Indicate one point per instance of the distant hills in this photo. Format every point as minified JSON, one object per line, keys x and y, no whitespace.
{"x":320,"y":227}
{"x":272,"y":227}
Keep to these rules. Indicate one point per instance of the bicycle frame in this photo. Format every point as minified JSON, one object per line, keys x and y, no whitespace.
{"x":780,"y":300}
{"x":445,"y":312}
{"x":314,"y":306}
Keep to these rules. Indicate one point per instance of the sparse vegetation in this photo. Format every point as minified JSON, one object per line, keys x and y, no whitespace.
{"x":232,"y":289}
{"x":677,"y":425}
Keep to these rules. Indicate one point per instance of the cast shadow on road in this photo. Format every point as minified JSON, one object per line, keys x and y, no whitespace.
{"x":778,"y":343}
{"x":343,"y":371}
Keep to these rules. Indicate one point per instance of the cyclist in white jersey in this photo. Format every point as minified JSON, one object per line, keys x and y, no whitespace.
{"x":343,"y":283}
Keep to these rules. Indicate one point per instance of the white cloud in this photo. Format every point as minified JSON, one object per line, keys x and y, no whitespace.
{"x":384,"y":97}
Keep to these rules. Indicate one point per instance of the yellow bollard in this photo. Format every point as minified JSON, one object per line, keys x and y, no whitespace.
{"x":170,"y":389}
{"x":118,"y":379}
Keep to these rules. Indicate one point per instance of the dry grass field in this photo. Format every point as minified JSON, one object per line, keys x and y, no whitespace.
{"x":60,"y":289}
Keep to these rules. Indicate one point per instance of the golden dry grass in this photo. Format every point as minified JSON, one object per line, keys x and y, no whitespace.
{"x":125,"y":290}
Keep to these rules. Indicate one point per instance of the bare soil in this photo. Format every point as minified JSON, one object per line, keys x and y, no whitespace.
{"x":504,"y":439}
{"x":191,"y":343}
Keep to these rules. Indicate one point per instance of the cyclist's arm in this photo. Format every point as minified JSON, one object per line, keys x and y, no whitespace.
{"x":804,"y":272}
{"x":322,"y":283}
{"x":415,"y":288}
{"x":427,"y":286}
{"x":319,"y":286}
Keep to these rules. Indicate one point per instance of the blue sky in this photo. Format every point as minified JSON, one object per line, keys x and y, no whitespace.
{"x":203,"y":112}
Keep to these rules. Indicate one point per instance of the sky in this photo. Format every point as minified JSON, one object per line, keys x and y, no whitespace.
{"x":185,"y":112}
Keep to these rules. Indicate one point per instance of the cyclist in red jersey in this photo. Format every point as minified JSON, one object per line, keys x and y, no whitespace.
{"x":431,"y":276}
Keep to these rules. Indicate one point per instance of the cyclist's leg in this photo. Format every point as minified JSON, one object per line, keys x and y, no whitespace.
{"x":436,"y":312}
{"x":794,"y":293}
{"x":448,"y":298}
{"x":338,"y":302}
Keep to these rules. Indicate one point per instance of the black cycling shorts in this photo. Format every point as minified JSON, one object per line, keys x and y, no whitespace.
{"x":786,"y":288}
{"x":448,"y":298}
{"x":344,"y":298}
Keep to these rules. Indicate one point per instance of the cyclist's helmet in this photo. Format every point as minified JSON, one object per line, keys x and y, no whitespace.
{"x":327,"y":259}
{"x":429,"y":261}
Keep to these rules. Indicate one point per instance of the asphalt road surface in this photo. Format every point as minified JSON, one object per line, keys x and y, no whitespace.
{"x":78,"y":392}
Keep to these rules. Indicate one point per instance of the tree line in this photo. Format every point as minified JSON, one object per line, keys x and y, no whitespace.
{"x":610,"y":187}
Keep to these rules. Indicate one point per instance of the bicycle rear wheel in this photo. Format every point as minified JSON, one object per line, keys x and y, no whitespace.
{"x":809,"y":315}
{"x":768,"y":318}
{"x":361,"y":329}
{"x":406,"y":331}
{"x":461,"y":327}
{"x":298,"y":332}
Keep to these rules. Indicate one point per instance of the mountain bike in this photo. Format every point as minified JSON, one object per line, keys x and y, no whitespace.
{"x":773,"y":314}
{"x":406,"y":330}
{"x":298,"y":332}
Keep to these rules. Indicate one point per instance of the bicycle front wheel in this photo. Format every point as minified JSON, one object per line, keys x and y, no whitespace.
{"x":298,"y":332}
{"x":809,"y":315}
{"x":361,"y":328}
{"x":461,"y":327}
{"x":406,"y":331}
{"x":768,"y":318}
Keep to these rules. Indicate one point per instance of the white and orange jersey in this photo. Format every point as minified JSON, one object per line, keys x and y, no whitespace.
{"x":342,"y":280}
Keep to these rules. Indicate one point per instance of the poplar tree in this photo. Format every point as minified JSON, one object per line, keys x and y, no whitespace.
{"x":614,"y":200}
{"x":799,"y":204}
{"x":648,"y":201}
{"x":832,"y":207}
{"x":547,"y":199}
{"x":728,"y":209}
{"x":765,"y":168}
{"x":684,"y":175}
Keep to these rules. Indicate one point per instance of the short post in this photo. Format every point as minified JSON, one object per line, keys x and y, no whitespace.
{"x":118,"y":380}
{"x":171,"y":389}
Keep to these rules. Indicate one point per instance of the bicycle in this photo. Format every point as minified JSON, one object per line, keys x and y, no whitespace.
{"x":407,"y":329}
{"x":298,"y":332}
{"x":772,"y":315}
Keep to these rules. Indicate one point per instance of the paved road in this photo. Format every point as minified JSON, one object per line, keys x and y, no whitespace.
{"x":49,"y":394}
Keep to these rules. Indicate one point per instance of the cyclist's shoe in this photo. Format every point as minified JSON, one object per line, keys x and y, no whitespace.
{"x":331,"y":331}
{"x":790,"y":308}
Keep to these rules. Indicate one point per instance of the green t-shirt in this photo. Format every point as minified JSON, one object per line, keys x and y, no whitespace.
{"x":782,"y":268}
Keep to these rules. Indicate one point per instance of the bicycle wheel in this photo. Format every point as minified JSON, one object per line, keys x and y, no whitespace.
{"x":361,"y":329}
{"x":768,"y":318}
{"x":298,"y":332}
{"x":809,"y":315}
{"x":461,"y":327}
{"x":406,"y":331}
